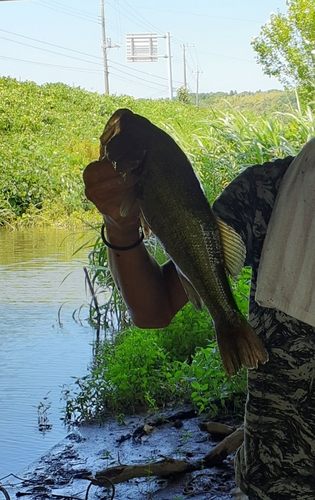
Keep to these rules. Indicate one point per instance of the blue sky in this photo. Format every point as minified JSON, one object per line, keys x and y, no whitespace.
{"x":60,"y":41}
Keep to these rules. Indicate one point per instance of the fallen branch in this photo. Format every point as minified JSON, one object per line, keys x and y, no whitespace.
{"x":122,"y":473}
{"x":216,"y":428}
{"x":229,"y":444}
{"x":169,"y":466}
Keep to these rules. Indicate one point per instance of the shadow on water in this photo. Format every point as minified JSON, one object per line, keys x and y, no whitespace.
{"x":40,"y":276}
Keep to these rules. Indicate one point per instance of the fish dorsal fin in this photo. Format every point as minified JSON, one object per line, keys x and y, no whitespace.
{"x":191,"y":293}
{"x":233,"y":248}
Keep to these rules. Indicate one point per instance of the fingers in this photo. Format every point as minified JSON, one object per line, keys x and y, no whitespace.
{"x":106,"y":188}
{"x":98,"y":176}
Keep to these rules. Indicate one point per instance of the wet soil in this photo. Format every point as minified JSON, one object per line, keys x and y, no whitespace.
{"x":63,"y":471}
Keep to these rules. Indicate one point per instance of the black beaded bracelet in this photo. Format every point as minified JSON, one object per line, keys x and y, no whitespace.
{"x":113,"y":247}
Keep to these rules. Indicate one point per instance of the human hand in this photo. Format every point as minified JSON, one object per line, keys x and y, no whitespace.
{"x":106,"y":188}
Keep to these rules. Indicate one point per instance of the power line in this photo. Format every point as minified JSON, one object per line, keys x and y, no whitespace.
{"x":137,"y":78}
{"x":118,"y":22}
{"x":71,"y":9}
{"x":129,"y":13}
{"x":197,"y":59}
{"x":50,"y":44}
{"x":201,"y":14}
{"x":227,"y":57}
{"x":141,"y":84}
{"x":71,"y":50}
{"x":147,"y":23}
{"x":135,"y":19}
{"x":63,"y":10}
{"x":47,"y":50}
{"x":139,"y":71}
{"x":41,"y":63}
{"x":95,"y":71}
{"x":142,"y":79}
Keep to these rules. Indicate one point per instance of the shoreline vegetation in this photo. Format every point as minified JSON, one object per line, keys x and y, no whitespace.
{"x":49,"y":134}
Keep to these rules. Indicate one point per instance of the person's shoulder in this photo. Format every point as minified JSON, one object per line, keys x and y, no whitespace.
{"x":270,"y":170}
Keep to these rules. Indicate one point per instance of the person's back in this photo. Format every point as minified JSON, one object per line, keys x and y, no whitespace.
{"x":277,"y":460}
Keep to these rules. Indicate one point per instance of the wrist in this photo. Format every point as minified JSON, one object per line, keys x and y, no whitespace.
{"x":121,"y":248}
{"x":121,"y":235}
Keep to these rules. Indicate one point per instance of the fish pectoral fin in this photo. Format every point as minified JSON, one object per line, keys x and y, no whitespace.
{"x":233,"y":248}
{"x":145,"y":226}
{"x":129,"y":200}
{"x":191,"y":293}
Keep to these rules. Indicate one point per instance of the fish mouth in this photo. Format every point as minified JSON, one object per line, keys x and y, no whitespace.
{"x":120,"y":146}
{"x":111,"y":130}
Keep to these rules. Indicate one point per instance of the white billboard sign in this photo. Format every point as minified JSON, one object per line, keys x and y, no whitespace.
{"x":142,"y":47}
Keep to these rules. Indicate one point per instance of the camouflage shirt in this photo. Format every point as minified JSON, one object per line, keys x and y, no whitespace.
{"x":277,"y":459}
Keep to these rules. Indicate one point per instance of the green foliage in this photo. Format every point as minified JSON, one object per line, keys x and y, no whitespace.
{"x":148,"y":369}
{"x":188,"y":331}
{"x":286,"y":47}
{"x":127,"y":376}
{"x":43,"y":149}
{"x":211,"y":390}
{"x":260,"y":102}
{"x":183,"y":95}
{"x":49,"y":134}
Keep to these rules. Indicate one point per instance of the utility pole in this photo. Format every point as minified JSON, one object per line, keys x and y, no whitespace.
{"x":184,"y":63}
{"x":170,"y":79}
{"x":104,"y":48}
{"x":197,"y":86}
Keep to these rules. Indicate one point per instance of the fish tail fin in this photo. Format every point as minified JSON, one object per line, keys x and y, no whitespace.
{"x":239,"y":346}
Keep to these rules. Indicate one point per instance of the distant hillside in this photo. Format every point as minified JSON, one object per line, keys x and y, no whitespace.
{"x":256,"y":102}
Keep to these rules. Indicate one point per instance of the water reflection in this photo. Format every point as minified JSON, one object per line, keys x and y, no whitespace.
{"x":39,"y":274}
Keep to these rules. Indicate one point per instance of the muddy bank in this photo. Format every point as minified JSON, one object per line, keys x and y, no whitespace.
{"x":64,"y":470}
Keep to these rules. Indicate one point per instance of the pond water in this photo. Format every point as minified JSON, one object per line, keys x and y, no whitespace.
{"x":42,"y":347}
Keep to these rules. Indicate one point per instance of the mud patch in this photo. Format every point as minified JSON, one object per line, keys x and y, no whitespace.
{"x":64,"y":471}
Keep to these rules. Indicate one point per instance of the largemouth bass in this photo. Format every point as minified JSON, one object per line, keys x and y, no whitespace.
{"x":175,"y":208}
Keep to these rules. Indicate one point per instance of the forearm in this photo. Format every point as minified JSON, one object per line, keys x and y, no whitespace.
{"x":152,"y":293}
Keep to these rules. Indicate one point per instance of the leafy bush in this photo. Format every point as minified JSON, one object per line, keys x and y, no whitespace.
{"x":148,"y":369}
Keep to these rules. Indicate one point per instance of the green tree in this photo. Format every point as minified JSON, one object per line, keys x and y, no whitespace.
{"x":183,"y":95}
{"x":286,"y":47}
